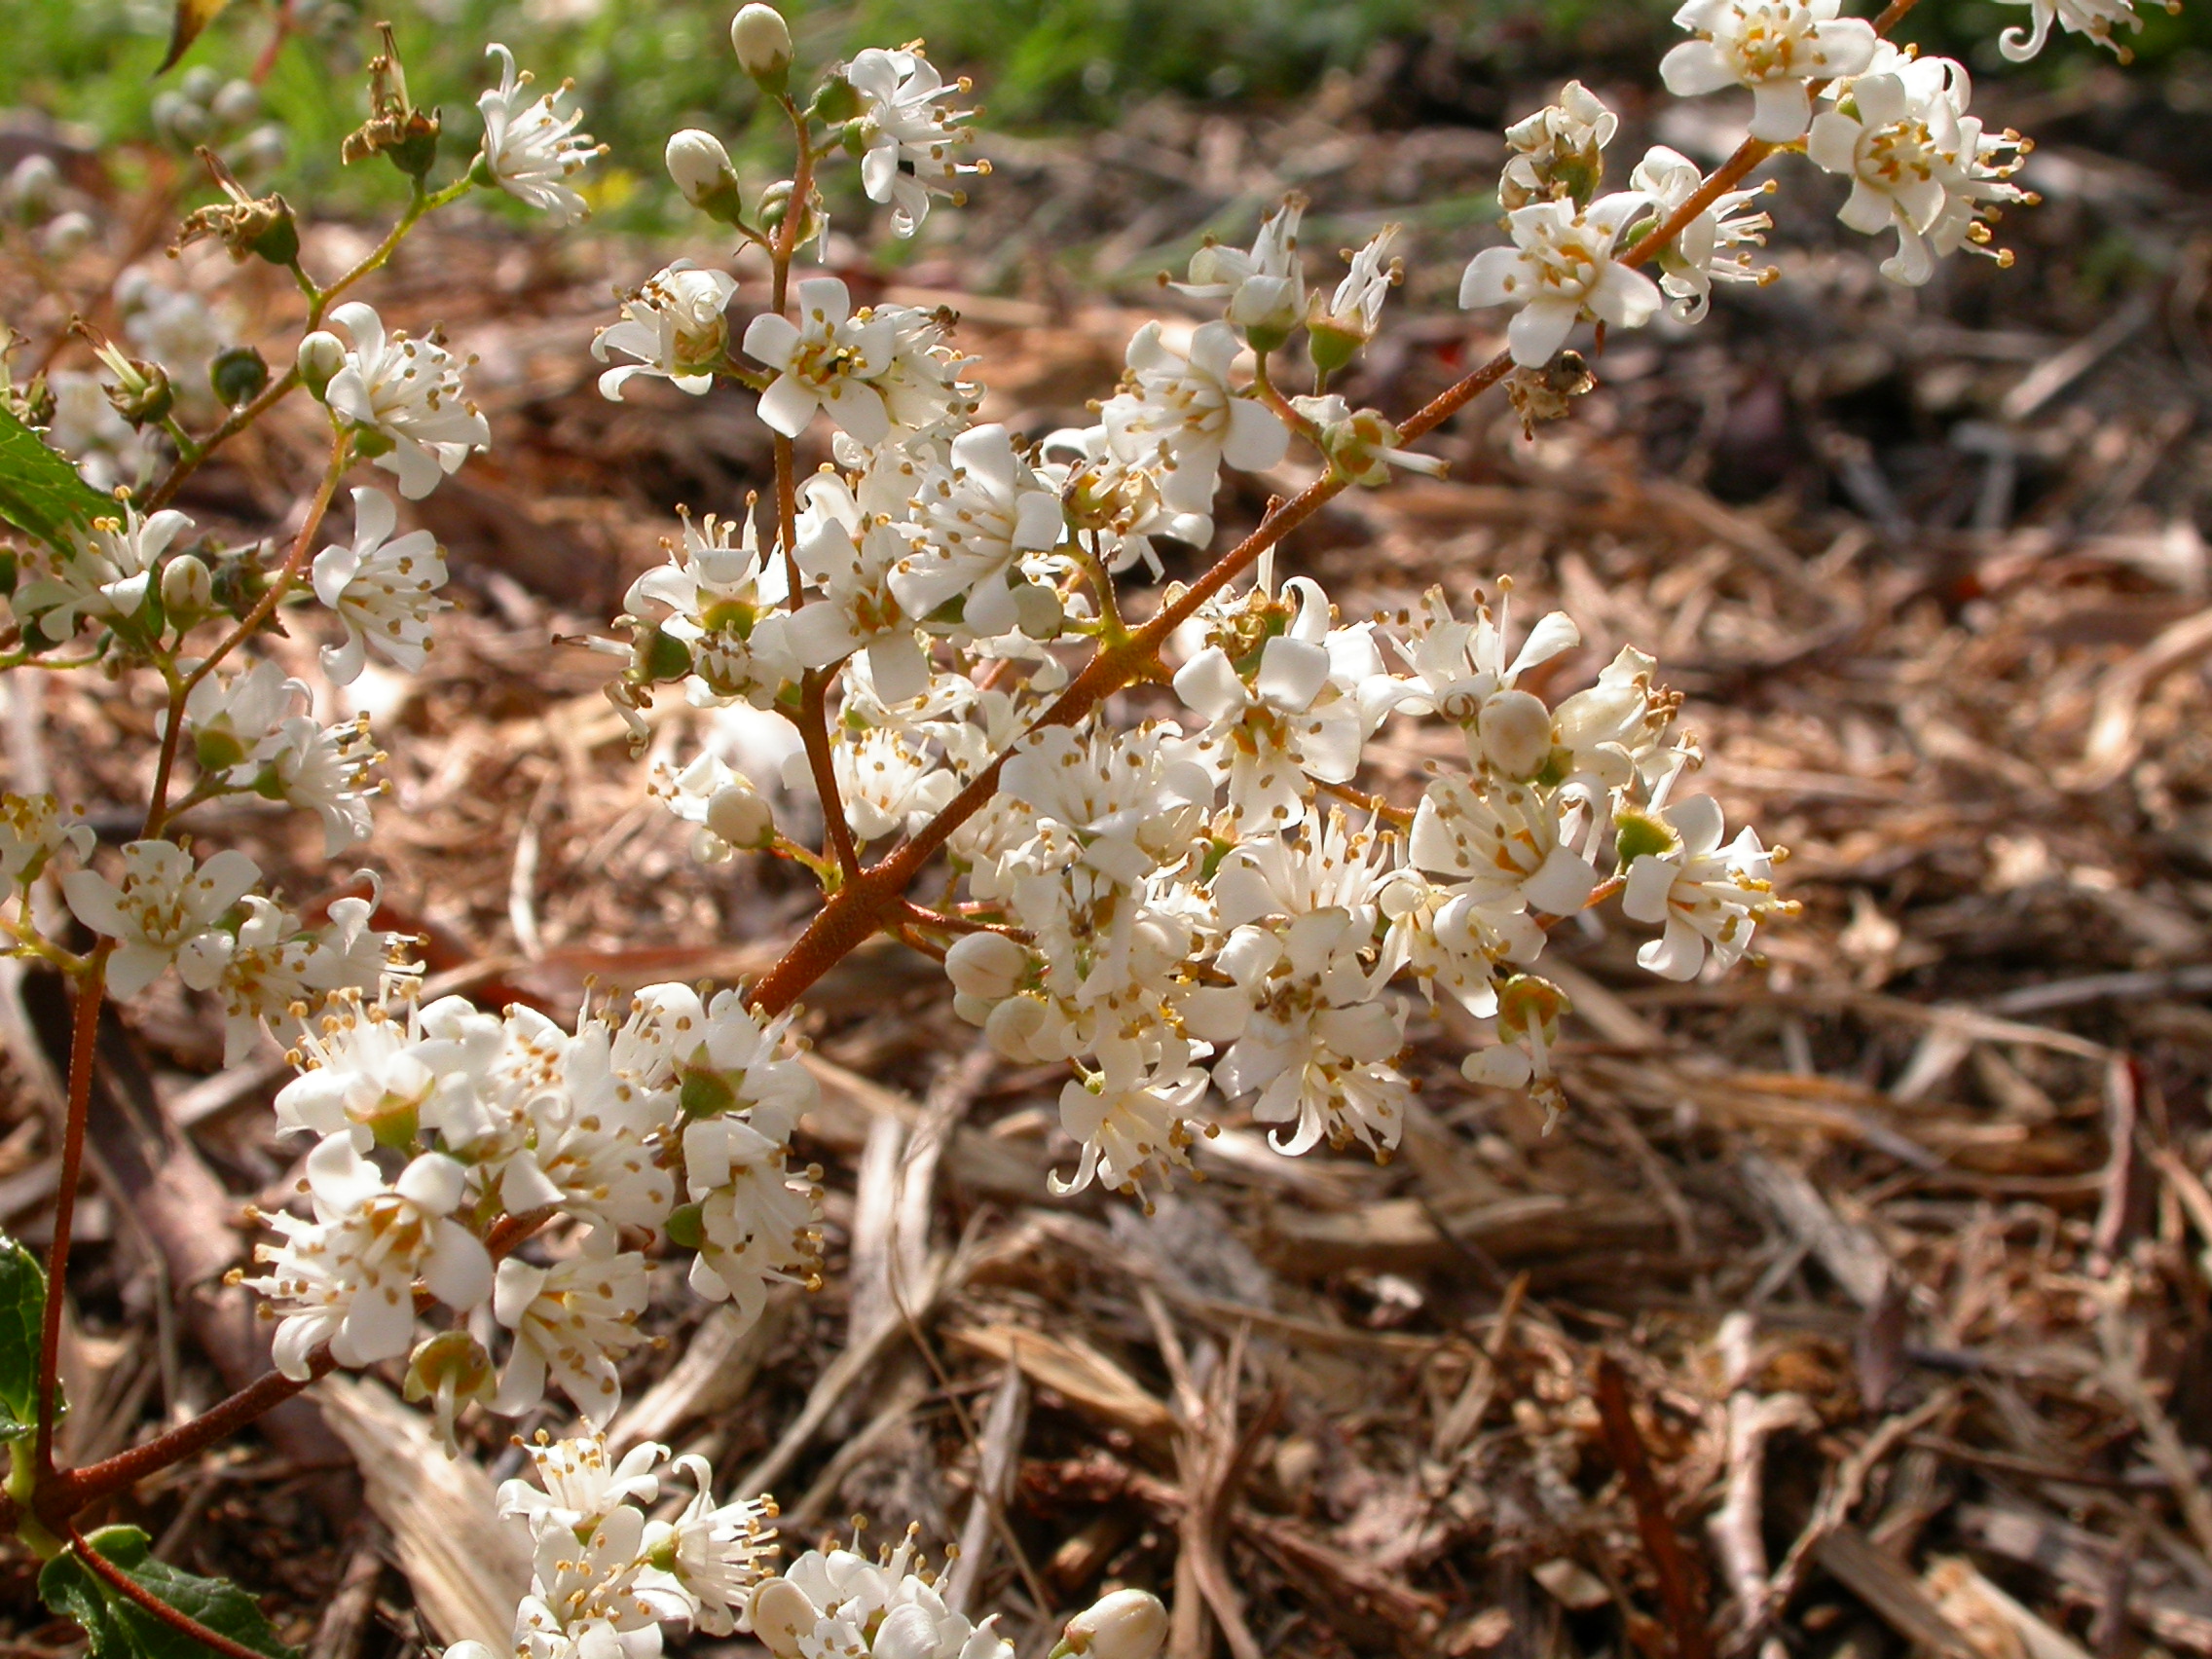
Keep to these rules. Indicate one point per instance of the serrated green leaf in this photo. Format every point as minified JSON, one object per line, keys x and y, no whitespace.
{"x":40,"y":492}
{"x":22,"y":1311}
{"x":69,"y":1589}
{"x":121,"y":1628}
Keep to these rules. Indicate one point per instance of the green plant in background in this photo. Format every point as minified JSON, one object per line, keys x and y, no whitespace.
{"x":642,"y":72}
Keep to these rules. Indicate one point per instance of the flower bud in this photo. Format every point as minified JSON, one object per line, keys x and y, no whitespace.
{"x":763,"y":41}
{"x":141,"y":394}
{"x":1011,"y":1026}
{"x":179,"y":120}
{"x":1128,"y":1624}
{"x":32,"y":188}
{"x":985,"y":965}
{"x":321,"y":355}
{"x":1515,"y":729}
{"x":187,"y":589}
{"x":701,"y":170}
{"x":781,"y":1612}
{"x":239,"y":375}
{"x":235,"y":103}
{"x":1038,"y":612}
{"x":66,"y":234}
{"x":737,"y":814}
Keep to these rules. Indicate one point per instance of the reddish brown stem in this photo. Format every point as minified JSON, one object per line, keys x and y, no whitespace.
{"x":813,"y":732}
{"x":83,"y":1039}
{"x":151,"y":1604}
{"x":70,"y":1491}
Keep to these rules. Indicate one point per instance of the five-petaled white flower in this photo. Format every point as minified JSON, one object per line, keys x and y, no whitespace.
{"x":162,"y":906}
{"x":407,"y":393}
{"x":1709,"y":897}
{"x":573,"y":1320}
{"x":673,"y":326}
{"x":1699,"y":254}
{"x":910,"y":142}
{"x":384,"y":588}
{"x":348,"y":1276}
{"x":105,"y":573}
{"x":1266,"y":288}
{"x":1774,"y":46}
{"x":531,"y":149}
{"x":824,"y":360}
{"x":1560,"y":269}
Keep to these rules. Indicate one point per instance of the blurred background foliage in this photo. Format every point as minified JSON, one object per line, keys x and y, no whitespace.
{"x":645,"y":68}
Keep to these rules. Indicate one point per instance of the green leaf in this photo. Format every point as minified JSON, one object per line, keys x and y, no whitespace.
{"x":39,"y":490}
{"x":22,"y":1311}
{"x":121,"y":1628}
{"x":191,"y":17}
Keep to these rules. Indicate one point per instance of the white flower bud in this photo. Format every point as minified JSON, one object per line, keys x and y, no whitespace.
{"x":698,"y":163}
{"x":235,"y":103}
{"x":187,"y":589}
{"x":1128,"y":1624}
{"x":66,"y":234}
{"x":701,"y":170}
{"x":737,"y":814}
{"x":1515,"y":732}
{"x":781,"y":1615}
{"x":321,"y":355}
{"x":1011,"y":1026}
{"x":763,"y":41}
{"x":985,"y":965}
{"x":1036,"y":609}
{"x":32,"y":188}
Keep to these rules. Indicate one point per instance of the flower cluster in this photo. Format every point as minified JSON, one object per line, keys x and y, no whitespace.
{"x":604,"y":1579}
{"x":673,"y":1122}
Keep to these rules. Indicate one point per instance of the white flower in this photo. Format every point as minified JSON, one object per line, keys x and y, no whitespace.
{"x":1133,"y":1116}
{"x":1356,"y":309}
{"x":716,"y":1552}
{"x":887,"y":783}
{"x":1266,"y":288}
{"x":1289,"y":729}
{"x":1184,"y":418}
{"x":575,"y":1320}
{"x":409,"y":392}
{"x":976,"y":517}
{"x":1917,"y":162}
{"x":348,"y":1276}
{"x":87,"y":428}
{"x":731,"y":814}
{"x":594,"y":1593}
{"x":32,"y":829}
{"x":322,"y":769}
{"x":909,"y":141}
{"x":231,"y":717}
{"x":1709,"y":897}
{"x":275,"y":967}
{"x":579,"y":1483}
{"x":1558,"y":151}
{"x":383,"y":588}
{"x":1560,"y":269}
{"x":1774,"y":46}
{"x":1501,"y":845}
{"x":853,"y":563}
{"x":530,"y":149}
{"x":836,"y":1603}
{"x":161,"y":906}
{"x":758,"y":1225}
{"x":824,"y":360}
{"x":673,"y":326}
{"x":1698,"y":255}
{"x":2096,"y":19}
{"x":1308,"y":1031}
{"x":718,"y":1057}
{"x":722,"y":600}
{"x":105,"y":573}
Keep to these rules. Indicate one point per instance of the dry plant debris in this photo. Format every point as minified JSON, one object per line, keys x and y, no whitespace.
{"x":1857,"y":1306}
